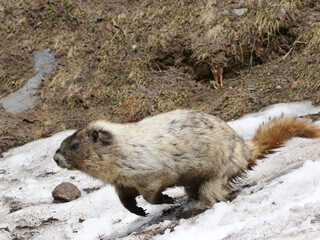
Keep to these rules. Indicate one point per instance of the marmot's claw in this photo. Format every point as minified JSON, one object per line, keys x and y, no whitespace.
{"x":166,"y":199}
{"x":140,"y":211}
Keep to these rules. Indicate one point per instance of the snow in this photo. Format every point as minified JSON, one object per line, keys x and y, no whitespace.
{"x":281,"y":199}
{"x":264,"y":214}
{"x":247,"y":125}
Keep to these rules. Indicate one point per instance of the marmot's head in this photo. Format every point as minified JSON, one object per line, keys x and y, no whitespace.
{"x":83,"y":149}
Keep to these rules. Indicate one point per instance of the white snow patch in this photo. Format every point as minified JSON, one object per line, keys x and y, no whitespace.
{"x":282,"y":200}
{"x":248,"y":124}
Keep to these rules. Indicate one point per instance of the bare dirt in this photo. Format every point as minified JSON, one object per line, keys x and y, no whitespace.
{"x":125,"y":60}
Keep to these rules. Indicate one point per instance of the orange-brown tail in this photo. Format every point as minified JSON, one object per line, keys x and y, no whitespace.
{"x":275,"y":133}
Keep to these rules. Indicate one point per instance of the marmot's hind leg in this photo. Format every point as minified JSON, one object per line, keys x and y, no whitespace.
{"x":210,"y":192}
{"x":192,"y":192}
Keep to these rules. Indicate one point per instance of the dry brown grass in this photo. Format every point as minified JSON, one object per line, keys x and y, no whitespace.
{"x":233,"y":41}
{"x":128,"y":59}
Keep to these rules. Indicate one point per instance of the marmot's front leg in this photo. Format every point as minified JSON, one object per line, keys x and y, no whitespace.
{"x":156,"y":197}
{"x":128,"y":199}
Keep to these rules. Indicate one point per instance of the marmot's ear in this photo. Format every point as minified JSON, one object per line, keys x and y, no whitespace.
{"x":100,"y":136}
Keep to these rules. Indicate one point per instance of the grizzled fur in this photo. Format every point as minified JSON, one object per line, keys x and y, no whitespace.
{"x":179,"y":148}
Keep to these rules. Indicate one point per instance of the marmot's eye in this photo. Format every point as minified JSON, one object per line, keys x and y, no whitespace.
{"x":75,"y":146}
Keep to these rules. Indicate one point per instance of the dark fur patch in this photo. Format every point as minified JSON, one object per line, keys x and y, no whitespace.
{"x":94,"y":135}
{"x":105,"y":137}
{"x":177,"y":154}
{"x":128,"y":166}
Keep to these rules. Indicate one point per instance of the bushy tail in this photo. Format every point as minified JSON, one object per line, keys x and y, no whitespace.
{"x":275,"y":133}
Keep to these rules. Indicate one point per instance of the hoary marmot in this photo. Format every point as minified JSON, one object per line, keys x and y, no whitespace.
{"x":180,"y":148}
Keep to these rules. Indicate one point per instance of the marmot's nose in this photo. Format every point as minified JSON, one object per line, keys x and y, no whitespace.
{"x":55,"y":158}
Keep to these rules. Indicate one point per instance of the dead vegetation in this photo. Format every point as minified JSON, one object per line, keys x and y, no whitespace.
{"x":129,"y":59}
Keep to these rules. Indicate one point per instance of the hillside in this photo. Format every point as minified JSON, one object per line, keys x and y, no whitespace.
{"x":124,"y":60}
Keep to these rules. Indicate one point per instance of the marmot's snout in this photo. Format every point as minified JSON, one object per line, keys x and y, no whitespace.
{"x":61,"y":160}
{"x":57,"y":156}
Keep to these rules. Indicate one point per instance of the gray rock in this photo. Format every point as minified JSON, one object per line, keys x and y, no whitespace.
{"x":66,"y":192}
{"x":24,"y":98}
{"x":240,"y":11}
{"x":45,"y":62}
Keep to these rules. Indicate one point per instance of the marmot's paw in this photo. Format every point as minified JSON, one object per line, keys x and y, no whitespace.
{"x":165,"y":199}
{"x":191,"y":213}
{"x":139,"y":211}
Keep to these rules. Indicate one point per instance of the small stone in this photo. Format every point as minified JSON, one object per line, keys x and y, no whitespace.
{"x":66,"y":192}
{"x":240,"y":11}
{"x":134,"y":47}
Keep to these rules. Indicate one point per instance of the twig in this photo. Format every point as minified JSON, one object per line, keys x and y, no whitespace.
{"x":287,"y":54}
{"x":291,"y":49}
{"x":117,"y":26}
